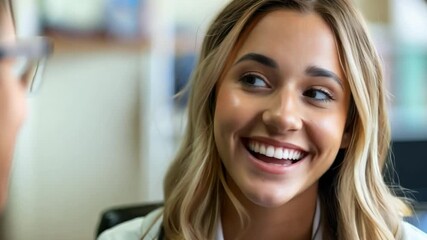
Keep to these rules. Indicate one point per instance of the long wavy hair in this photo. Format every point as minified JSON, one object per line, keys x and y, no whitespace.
{"x":356,"y":202}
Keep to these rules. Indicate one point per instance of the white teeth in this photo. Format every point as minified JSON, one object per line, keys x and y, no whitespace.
{"x":270,"y":151}
{"x":256,"y":148}
{"x":292,"y":154}
{"x":276,"y":152}
{"x":262,"y":149}
{"x":286,"y":154}
{"x":295,"y":155}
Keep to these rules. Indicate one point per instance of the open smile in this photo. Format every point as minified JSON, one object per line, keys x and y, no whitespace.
{"x":276,"y":155}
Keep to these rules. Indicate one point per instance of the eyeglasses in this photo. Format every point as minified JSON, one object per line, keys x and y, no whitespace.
{"x":28,"y":59}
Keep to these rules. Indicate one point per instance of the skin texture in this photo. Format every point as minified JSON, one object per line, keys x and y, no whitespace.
{"x":12,"y":106}
{"x":282,"y":101}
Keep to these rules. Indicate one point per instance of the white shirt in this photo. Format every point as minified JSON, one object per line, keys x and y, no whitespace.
{"x":134,"y":229}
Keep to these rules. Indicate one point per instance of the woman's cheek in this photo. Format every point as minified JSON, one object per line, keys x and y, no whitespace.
{"x":232,"y":109}
{"x":328,"y":127}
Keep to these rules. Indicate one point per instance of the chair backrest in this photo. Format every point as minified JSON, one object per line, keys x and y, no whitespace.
{"x":113,"y":216}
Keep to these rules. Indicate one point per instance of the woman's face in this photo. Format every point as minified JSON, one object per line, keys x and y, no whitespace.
{"x":12,"y":105}
{"x":281,"y":109}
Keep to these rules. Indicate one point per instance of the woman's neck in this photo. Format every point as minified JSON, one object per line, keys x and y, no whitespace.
{"x":293,"y":220}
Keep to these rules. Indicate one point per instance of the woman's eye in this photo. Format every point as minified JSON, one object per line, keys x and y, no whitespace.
{"x":318,"y":94}
{"x":253,"y":80}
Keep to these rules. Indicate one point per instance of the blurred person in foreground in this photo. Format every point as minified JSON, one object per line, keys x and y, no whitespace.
{"x":21,"y":64}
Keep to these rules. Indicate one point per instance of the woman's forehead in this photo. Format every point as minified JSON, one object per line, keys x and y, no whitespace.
{"x":290,"y":35}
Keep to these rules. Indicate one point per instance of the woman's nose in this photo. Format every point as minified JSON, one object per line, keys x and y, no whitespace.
{"x":283,"y":114}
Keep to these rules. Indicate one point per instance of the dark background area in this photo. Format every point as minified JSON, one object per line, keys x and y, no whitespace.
{"x":410,"y":166}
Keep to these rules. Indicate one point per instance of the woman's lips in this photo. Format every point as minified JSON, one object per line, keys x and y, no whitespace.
{"x":273,"y":159}
{"x":274,"y":151}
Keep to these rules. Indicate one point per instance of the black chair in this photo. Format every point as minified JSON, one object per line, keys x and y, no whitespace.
{"x":117,"y":215}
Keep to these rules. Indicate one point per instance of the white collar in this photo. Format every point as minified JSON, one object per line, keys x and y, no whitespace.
{"x":315,"y":235}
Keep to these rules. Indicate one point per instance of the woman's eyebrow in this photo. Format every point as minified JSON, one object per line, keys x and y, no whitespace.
{"x":269,"y":62}
{"x":316,"y":71}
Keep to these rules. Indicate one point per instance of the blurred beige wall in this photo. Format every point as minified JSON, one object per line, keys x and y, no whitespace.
{"x":377,"y":11}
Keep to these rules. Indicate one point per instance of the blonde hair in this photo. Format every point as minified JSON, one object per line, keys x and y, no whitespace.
{"x":356,"y":203}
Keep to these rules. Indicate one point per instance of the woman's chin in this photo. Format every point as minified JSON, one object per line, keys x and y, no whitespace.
{"x":268,"y":200}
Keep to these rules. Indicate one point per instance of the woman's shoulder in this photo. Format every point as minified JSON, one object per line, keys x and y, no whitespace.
{"x":410,"y":232}
{"x":135,"y":228}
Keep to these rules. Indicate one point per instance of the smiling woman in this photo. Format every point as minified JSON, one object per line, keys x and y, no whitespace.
{"x":287,"y":109}
{"x":287,"y":132}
